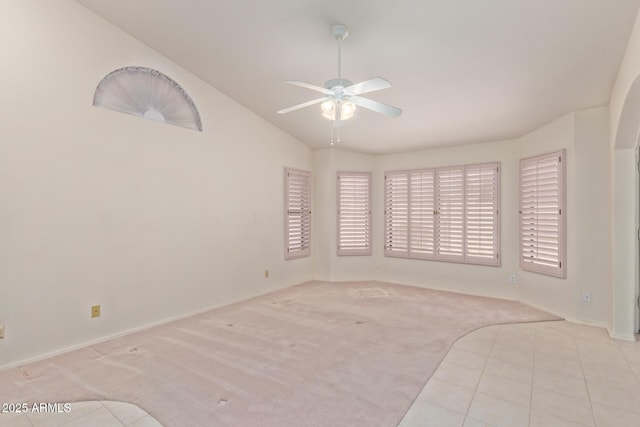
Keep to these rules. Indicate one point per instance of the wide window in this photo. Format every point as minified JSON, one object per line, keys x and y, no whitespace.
{"x":446,"y":214}
{"x":354,"y":213}
{"x":298,"y":213}
{"x":542,"y":214}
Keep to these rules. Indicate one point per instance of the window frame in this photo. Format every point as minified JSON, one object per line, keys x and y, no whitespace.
{"x":394,"y":213}
{"x":364,"y":219}
{"x":450,"y":241}
{"x":439,"y":203}
{"x":304,"y":200}
{"x":476,"y":257}
{"x":536,"y":265}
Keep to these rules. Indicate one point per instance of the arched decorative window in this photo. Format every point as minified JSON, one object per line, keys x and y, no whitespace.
{"x":145,"y":92}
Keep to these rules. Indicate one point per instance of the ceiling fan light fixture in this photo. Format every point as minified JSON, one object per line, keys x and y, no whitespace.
{"x":341,"y":97}
{"x":347,"y":110}
{"x":330,"y":107}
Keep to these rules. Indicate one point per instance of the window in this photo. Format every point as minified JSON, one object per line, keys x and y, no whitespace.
{"x":481,"y":213}
{"x":147,"y":93}
{"x":396,"y":214}
{"x":450,"y":213}
{"x":542,"y":214}
{"x":298,"y":214}
{"x":354,"y":213}
{"x":445,"y":214}
{"x":421,"y":215}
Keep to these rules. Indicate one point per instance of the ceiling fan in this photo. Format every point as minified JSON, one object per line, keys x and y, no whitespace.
{"x":342,"y":97}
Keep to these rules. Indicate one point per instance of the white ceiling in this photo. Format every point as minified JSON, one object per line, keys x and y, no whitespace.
{"x":463,"y":71}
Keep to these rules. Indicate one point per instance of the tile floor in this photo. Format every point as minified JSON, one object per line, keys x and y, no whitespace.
{"x":84,"y":414}
{"x":545,"y":374}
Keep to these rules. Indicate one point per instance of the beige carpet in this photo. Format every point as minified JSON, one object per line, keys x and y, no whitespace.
{"x":317,"y":354}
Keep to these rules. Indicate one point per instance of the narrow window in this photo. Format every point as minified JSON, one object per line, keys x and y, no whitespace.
{"x":354,"y":213}
{"x":422,"y":214}
{"x":298,"y":213}
{"x":396,"y":214}
{"x":450,"y":213}
{"x":482,"y":201}
{"x":542,"y":214}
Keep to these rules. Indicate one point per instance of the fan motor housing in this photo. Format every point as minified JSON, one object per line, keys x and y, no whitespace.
{"x":334,"y":84}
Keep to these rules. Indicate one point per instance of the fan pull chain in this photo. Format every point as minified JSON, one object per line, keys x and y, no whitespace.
{"x":335,"y":140}
{"x":339,"y":56}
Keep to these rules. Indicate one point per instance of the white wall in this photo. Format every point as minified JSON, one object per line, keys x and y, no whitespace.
{"x":592,"y":215}
{"x":98,"y":207}
{"x":625,"y":128}
{"x":625,"y":245}
{"x":626,"y":136}
{"x":149,"y":220}
{"x":584,"y":134}
{"x":479,"y":280}
{"x":328,"y":266}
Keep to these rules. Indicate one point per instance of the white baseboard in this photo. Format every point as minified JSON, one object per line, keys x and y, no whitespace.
{"x":625,"y":337}
{"x":587,"y":323}
{"x":99,"y":340}
{"x":126,"y":332}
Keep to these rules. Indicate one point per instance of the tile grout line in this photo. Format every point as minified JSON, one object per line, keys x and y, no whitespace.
{"x":586,"y":384}
{"x":111,"y":412}
{"x":91,"y":414}
{"x":626,"y":359}
{"x":533,"y":373}
{"x":444,"y":359}
{"x":465,"y":414}
{"x":475,"y":390}
{"x":569,"y":395}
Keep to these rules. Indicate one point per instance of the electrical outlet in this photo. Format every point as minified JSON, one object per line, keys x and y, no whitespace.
{"x":586,"y":296}
{"x":513,"y":279}
{"x":95,"y":311}
{"x":266,"y":274}
{"x":1,"y":331}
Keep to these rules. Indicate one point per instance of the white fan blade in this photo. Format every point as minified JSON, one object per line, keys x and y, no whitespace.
{"x":376,"y":106}
{"x":304,"y":104}
{"x":310,"y":86}
{"x":368,"y":86}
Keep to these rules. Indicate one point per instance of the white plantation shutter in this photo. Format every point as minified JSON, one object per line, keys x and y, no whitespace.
{"x":446,"y":214}
{"x":542,"y":214}
{"x":450,"y":213}
{"x":482,"y":194}
{"x":298,"y":213}
{"x":396,"y":214}
{"x":354,"y":213}
{"x":421,"y":214}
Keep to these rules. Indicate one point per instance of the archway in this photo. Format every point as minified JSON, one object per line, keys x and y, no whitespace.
{"x":625,"y":212}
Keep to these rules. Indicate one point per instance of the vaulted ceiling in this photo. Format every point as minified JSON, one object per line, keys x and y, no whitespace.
{"x":462,"y":71}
